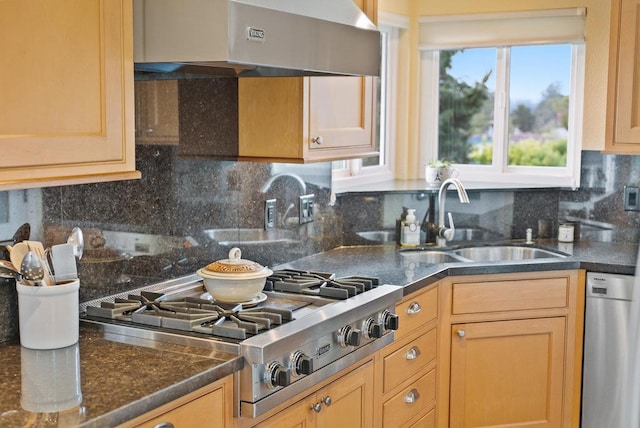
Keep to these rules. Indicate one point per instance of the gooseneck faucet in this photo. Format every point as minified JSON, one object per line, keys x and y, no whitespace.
{"x":446,"y":233}
{"x":296,"y":177}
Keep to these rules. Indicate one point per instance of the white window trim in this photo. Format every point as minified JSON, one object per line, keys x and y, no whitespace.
{"x":498,"y":175}
{"x":354,"y":174}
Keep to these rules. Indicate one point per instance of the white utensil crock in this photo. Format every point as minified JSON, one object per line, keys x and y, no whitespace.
{"x":48,"y":315}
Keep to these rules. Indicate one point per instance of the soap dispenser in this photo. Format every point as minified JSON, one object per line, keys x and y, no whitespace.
{"x":410,"y":230}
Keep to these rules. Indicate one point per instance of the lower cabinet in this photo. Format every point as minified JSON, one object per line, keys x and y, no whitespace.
{"x":346,"y":402}
{"x":512,"y":352}
{"x":406,"y":369}
{"x":211,"y":406}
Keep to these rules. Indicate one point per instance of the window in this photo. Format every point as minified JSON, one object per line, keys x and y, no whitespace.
{"x":376,"y":168}
{"x":502,"y":95}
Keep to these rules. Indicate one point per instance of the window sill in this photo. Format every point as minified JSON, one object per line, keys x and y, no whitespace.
{"x":404,"y":186}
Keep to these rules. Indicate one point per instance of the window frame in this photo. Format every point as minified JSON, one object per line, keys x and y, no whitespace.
{"x":499,"y":174}
{"x":352,"y":172}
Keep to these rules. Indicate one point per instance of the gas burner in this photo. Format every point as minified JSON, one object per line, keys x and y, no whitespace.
{"x":319,"y":284}
{"x":192,"y":314}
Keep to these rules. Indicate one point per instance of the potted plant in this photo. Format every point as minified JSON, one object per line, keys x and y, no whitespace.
{"x":438,"y":170}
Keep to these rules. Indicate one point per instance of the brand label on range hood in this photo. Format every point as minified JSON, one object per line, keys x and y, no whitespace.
{"x":255,"y":34}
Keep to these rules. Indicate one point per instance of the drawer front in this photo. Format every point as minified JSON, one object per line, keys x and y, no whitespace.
{"x":410,"y":402}
{"x":427,"y":421}
{"x":416,"y":311}
{"x":515,"y":295}
{"x":408,"y":360}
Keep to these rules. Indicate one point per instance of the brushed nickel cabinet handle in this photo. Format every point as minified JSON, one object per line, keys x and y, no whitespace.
{"x":413,"y":353}
{"x":412,"y":396}
{"x":414,"y":308}
{"x":317,"y":140}
{"x":316,"y":407}
{"x":461,"y":333}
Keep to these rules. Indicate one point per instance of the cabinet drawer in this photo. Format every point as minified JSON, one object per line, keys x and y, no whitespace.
{"x":409,"y":402}
{"x":408,"y":360}
{"x":515,"y":295}
{"x":416,"y":311}
{"x":427,"y":421}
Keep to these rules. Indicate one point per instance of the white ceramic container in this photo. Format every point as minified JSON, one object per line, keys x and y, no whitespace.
{"x":48,"y":315}
{"x":234,"y":280}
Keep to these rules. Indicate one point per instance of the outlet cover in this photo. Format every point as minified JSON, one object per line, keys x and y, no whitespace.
{"x":306,"y":208}
{"x":631,"y":198}
{"x":270,"y":214}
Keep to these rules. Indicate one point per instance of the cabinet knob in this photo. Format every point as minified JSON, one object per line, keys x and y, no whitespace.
{"x":412,"y":396}
{"x":414,"y":308}
{"x":149,"y":130}
{"x":317,"y":140}
{"x":316,"y":407}
{"x":327,"y":400}
{"x":461,"y":333}
{"x":413,"y":353}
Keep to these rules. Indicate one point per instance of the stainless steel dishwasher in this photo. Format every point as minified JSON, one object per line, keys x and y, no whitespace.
{"x":608,"y":305}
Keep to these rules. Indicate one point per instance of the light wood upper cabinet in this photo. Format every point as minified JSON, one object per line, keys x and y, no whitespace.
{"x":622,"y":132}
{"x":308,"y":119}
{"x":66,"y":92}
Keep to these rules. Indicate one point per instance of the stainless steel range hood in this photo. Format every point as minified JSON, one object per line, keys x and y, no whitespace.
{"x":255,"y":38}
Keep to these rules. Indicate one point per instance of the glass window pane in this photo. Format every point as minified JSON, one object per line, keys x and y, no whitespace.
{"x":539,"y":105}
{"x":467,"y":85}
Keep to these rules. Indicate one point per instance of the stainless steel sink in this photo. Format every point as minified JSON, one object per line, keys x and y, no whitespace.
{"x":251,"y":236}
{"x":505,"y":253}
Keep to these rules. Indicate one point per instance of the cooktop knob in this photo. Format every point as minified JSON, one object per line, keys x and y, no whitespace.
{"x":302,"y":363}
{"x":278,"y":375}
{"x":371,"y":329}
{"x":348,"y":336}
{"x":389,"y":321}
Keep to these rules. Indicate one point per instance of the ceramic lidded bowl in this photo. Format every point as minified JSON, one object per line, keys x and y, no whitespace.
{"x":234,"y":279}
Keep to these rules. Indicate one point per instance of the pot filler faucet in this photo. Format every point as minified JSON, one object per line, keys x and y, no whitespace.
{"x":446,"y":233}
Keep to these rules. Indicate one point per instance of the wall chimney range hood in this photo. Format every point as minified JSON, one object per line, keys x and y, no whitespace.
{"x":254,"y":38}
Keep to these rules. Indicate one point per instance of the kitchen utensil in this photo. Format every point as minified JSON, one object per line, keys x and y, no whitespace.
{"x":6,"y":264}
{"x":77,"y":240}
{"x":22,"y":234}
{"x":17,"y":253}
{"x":38,"y":248}
{"x":31,"y":269}
{"x":64,"y":262}
{"x":234,"y":279}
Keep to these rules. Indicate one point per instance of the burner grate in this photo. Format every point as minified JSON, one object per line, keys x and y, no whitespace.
{"x":321,"y":284}
{"x":192,"y":314}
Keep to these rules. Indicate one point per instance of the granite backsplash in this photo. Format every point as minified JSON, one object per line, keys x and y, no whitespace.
{"x":160,"y":226}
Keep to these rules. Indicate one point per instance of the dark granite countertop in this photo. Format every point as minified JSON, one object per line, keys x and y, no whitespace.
{"x":403,"y":268}
{"x":120,"y":380}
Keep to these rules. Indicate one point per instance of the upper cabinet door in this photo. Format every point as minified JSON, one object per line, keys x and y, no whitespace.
{"x":623,"y":104}
{"x":308,"y":119}
{"x":66,"y":92}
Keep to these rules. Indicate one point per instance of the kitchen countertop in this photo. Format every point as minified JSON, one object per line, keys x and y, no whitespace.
{"x":117,"y":380}
{"x":400,"y":268}
{"x":120,"y":380}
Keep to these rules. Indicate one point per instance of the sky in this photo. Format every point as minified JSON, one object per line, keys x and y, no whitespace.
{"x":534,"y":68}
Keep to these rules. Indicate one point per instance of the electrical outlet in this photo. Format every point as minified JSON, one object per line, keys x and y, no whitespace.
{"x":270,"y":214}
{"x":631,"y":198}
{"x":306,"y":208}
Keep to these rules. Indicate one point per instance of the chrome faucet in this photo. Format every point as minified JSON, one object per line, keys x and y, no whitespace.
{"x":267,"y":185}
{"x":446,"y":233}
